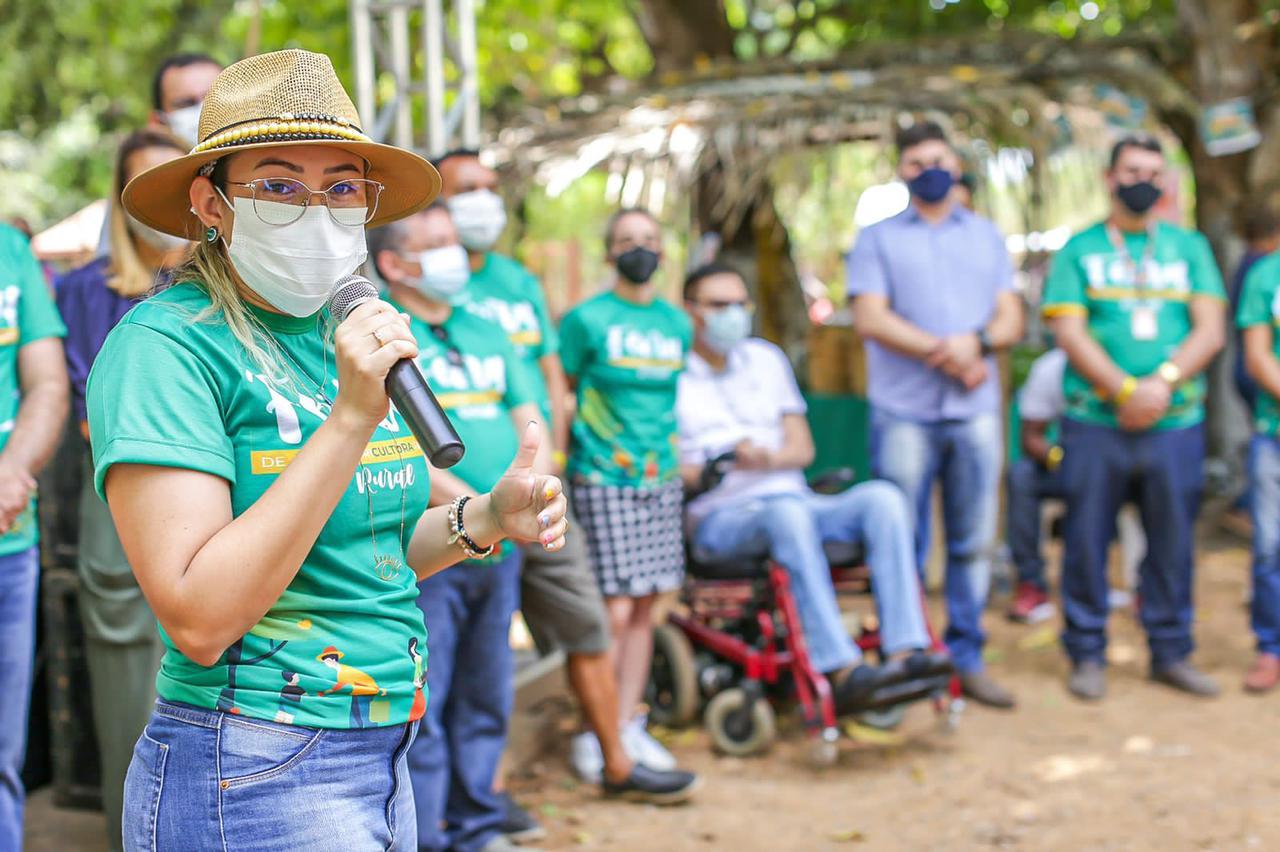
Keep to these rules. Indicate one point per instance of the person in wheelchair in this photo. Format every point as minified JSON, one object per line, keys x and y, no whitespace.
{"x":738,"y":395}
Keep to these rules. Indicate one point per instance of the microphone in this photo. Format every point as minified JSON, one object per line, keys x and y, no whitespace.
{"x":406,"y":385}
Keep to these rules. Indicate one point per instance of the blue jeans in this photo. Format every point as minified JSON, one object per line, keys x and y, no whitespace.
{"x":1027,"y":485}
{"x":966,"y":455}
{"x":792,"y":527}
{"x":1162,"y":472}
{"x":470,"y":672}
{"x":19,"y":578}
{"x":204,"y":779}
{"x":1264,"y":505}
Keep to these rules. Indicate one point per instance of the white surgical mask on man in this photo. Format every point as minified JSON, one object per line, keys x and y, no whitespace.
{"x":293,"y":267}
{"x":445,"y":272}
{"x":185,"y":123}
{"x":480,"y":218}
{"x":158,"y":240}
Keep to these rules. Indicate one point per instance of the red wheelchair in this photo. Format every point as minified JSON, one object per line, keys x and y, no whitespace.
{"x":734,"y":649}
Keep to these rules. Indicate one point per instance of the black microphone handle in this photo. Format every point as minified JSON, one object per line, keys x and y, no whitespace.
{"x":420,"y":409}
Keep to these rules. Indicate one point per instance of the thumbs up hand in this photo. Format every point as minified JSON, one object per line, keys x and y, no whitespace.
{"x":528,"y":506}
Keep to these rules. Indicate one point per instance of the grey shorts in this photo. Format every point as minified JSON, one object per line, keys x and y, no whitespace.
{"x":560,"y":598}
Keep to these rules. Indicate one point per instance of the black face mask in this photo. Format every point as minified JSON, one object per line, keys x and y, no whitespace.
{"x":637,"y":265}
{"x":1139,"y":196}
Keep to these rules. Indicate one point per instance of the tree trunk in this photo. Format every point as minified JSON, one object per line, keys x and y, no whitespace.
{"x":1223,"y":67}
{"x":755,"y":242}
{"x":681,"y":33}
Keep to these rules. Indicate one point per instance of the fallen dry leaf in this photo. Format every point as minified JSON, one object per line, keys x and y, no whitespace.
{"x":851,"y":835}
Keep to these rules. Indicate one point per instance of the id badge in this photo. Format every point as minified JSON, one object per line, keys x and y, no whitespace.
{"x":1142,"y":323}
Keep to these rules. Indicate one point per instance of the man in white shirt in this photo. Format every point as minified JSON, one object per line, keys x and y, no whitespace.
{"x":1032,"y":479}
{"x":738,"y":394}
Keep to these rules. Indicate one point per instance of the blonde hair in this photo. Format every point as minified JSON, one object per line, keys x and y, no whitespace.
{"x":126,"y":273}
{"x":209,"y":268}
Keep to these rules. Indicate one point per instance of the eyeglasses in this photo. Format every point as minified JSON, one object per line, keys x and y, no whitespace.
{"x":350,"y":202}
{"x":450,"y":351}
{"x":721,"y":304}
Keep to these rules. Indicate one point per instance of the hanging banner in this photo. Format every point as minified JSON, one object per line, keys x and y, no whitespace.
{"x":1121,"y":110}
{"x":1229,"y":127}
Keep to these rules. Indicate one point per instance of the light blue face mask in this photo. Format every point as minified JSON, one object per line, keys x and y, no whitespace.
{"x":445,"y":272}
{"x":727,"y":327}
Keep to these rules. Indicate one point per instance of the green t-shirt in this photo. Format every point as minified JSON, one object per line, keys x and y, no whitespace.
{"x":1260,"y":305}
{"x":172,"y":387}
{"x":1139,"y":326}
{"x":504,"y":292}
{"x":27,"y":314}
{"x":626,"y":359}
{"x":478,"y":379}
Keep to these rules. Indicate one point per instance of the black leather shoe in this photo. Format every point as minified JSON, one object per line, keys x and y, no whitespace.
{"x":653,"y":786}
{"x":518,"y":824}
{"x":1187,"y":678}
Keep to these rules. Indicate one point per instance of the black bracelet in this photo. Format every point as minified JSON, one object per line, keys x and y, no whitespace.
{"x":459,"y":531}
{"x":984,"y":342}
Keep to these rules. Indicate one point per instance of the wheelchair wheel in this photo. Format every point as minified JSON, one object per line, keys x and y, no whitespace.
{"x":672,"y":690}
{"x":884,"y":719}
{"x":736,"y":730}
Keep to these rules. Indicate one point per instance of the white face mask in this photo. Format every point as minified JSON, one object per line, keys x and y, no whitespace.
{"x":294,"y":266}
{"x":480,"y":218}
{"x":158,"y":240}
{"x":445,"y":272}
{"x":185,"y":123}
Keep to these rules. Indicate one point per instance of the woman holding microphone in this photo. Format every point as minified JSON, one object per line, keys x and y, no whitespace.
{"x":272,"y":506}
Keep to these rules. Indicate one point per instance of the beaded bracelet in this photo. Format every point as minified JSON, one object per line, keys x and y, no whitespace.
{"x":459,"y":531}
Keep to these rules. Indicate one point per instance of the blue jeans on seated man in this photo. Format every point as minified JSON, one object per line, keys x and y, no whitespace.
{"x":791,"y":529}
{"x":470,"y":689}
{"x":204,"y":779}
{"x":1161,"y":471}
{"x":1264,"y":506}
{"x":19,"y":577}
{"x":1028,"y":484}
{"x":967,"y":456}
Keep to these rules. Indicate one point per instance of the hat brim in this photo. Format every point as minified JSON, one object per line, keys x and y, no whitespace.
{"x":160,"y":196}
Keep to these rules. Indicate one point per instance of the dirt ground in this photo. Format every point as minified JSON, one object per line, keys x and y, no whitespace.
{"x":1145,"y":769}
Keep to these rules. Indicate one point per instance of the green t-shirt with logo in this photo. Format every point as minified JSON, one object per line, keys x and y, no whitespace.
{"x":27,"y":314}
{"x":626,"y":358}
{"x":479,"y":380}
{"x":172,"y":387}
{"x":504,"y":292}
{"x":1260,"y":305}
{"x":1139,"y":324}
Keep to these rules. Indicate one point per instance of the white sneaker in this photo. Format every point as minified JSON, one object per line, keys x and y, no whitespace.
{"x":586,"y":758}
{"x":643,"y":748}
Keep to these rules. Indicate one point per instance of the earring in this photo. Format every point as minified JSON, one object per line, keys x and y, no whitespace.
{"x":211,"y":234}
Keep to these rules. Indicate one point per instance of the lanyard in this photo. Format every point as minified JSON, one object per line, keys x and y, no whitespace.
{"x":1138,"y":270}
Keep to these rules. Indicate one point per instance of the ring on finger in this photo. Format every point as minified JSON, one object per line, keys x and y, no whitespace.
{"x":380,"y":334}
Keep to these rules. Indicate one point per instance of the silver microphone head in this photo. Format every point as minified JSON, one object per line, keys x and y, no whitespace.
{"x":349,"y":293}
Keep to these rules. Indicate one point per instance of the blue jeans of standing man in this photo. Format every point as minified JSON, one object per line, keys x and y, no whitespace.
{"x":203,"y":779}
{"x":1161,"y":471}
{"x":1028,"y":484}
{"x":792,"y":527}
{"x":966,"y":456}
{"x":470,"y":671}
{"x":19,"y":577}
{"x":1264,"y":505}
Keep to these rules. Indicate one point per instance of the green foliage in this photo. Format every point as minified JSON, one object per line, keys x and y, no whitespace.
{"x":75,"y":74}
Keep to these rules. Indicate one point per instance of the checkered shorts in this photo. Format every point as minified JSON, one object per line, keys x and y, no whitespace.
{"x":634,"y":535}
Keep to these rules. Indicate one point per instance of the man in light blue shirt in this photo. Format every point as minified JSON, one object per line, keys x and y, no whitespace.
{"x":933,"y":299}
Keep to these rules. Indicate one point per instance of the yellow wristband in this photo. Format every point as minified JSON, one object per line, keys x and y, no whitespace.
{"x":1127,"y":387}
{"x":1053,"y":459}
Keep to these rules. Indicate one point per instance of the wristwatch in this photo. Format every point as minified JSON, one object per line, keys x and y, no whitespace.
{"x":984,"y":342}
{"x":1170,"y":372}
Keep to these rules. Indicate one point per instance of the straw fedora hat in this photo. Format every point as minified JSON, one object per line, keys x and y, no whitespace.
{"x":290,"y":97}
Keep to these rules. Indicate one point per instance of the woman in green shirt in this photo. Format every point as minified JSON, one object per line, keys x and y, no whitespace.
{"x":272,"y":505}
{"x":624,"y":350}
